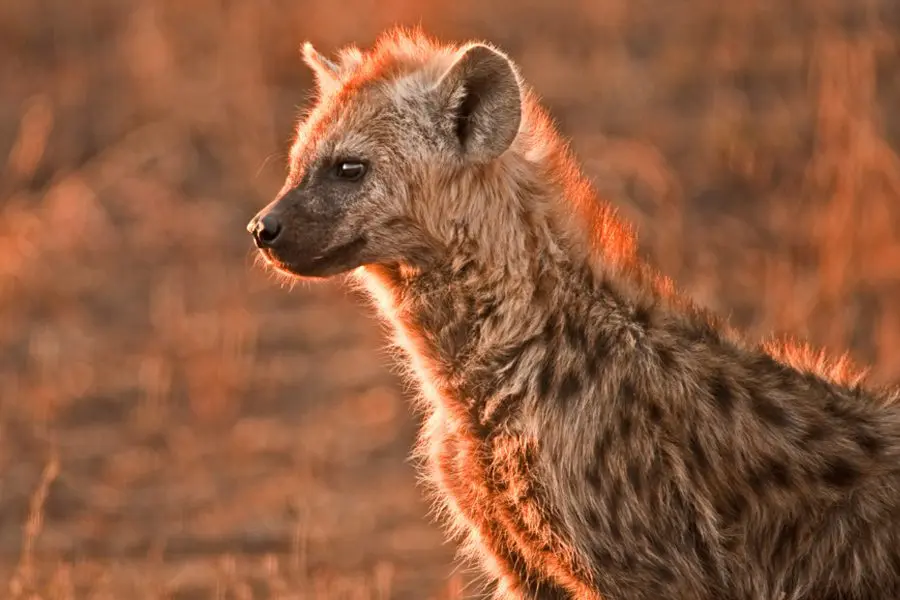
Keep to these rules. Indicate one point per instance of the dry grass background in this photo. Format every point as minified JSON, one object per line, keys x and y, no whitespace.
{"x":175,"y":425}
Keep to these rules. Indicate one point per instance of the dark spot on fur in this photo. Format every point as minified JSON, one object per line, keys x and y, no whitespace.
{"x":569,"y":387}
{"x":779,"y":472}
{"x":656,"y":468}
{"x":660,"y":547}
{"x":487,"y":310}
{"x":603,"y":558}
{"x":548,"y":333}
{"x":722,"y":394}
{"x":654,"y":412}
{"x":606,"y":288}
{"x":816,"y":432}
{"x":842,"y":410}
{"x":593,"y":478}
{"x":598,"y":353}
{"x":756,"y":481}
{"x":702,"y":332}
{"x":769,"y":411}
{"x":574,"y":335}
{"x":643,"y":316}
{"x":870,"y":442}
{"x":666,"y":358}
{"x":635,"y":478}
{"x":664,"y":573}
{"x":699,"y":454}
{"x":845,"y":565}
{"x":765,"y":363}
{"x":627,"y":392}
{"x":732,"y":509}
{"x":601,"y":448}
{"x":615,"y":531}
{"x":545,"y":378}
{"x":839,"y":472}
{"x":625,"y":426}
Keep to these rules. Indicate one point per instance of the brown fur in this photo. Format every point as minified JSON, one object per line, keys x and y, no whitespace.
{"x":591,"y":434}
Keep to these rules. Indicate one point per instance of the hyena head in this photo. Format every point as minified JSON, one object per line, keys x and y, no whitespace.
{"x":377,"y":163}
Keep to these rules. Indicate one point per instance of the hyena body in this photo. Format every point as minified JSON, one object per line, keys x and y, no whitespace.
{"x":591,"y":434}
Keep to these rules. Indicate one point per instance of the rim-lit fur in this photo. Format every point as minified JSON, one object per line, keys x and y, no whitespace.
{"x":591,"y":433}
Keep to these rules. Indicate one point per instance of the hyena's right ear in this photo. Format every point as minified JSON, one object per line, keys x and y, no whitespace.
{"x":481,"y":103}
{"x":326,"y":72}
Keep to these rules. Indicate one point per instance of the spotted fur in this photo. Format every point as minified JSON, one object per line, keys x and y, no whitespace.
{"x":591,"y":434}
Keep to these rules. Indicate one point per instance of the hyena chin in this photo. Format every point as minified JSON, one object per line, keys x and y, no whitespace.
{"x":590,"y":432}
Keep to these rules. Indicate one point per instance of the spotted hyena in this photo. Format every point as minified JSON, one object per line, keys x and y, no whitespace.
{"x":591,"y":433}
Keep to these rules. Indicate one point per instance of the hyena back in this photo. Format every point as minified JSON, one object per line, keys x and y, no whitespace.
{"x":591,"y":433}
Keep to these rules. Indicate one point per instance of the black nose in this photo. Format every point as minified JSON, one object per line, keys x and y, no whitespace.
{"x":265,"y":230}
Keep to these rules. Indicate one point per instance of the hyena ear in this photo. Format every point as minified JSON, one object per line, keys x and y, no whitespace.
{"x":481,"y":103}
{"x":325,"y":71}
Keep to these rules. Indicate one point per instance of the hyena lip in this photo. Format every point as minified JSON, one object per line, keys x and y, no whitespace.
{"x":334,"y":261}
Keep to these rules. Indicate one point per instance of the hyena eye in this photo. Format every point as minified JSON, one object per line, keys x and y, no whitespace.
{"x":350,"y":170}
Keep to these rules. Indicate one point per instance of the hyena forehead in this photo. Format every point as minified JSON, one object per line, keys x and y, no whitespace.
{"x":339,"y":128}
{"x":385,"y":118}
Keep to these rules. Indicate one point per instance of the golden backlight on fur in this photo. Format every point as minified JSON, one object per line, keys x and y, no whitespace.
{"x":590,"y":432}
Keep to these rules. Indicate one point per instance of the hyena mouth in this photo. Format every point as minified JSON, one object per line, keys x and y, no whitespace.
{"x":332,"y":262}
{"x":340,"y":255}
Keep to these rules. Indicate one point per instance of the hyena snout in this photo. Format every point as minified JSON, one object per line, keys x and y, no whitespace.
{"x":265,"y":229}
{"x":307,"y":235}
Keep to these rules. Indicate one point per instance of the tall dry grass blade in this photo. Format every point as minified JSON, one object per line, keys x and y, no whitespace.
{"x":23,"y":579}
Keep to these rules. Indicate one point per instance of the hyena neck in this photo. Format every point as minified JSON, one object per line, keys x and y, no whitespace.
{"x":482,"y":307}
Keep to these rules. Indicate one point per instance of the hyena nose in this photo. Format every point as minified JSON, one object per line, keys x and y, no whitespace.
{"x":265,"y":230}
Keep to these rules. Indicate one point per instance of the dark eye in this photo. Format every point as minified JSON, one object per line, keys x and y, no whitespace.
{"x":350,"y":170}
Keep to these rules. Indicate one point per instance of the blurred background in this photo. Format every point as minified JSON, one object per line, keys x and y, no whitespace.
{"x":174,"y":423}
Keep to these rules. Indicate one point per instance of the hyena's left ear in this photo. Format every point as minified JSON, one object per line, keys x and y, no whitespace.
{"x":481,"y":103}
{"x":325,"y":71}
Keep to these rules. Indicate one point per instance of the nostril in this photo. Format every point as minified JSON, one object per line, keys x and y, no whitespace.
{"x":267,"y":229}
